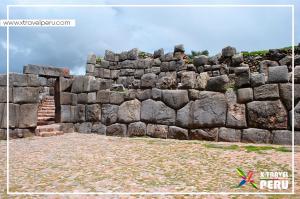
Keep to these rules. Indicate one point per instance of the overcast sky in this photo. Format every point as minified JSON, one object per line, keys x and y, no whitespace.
{"x":148,"y":29}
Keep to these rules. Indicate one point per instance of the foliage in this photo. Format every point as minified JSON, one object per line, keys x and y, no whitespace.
{"x":197,"y":53}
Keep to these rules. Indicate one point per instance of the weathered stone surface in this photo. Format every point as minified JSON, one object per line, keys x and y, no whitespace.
{"x":210,"y":110}
{"x":266,"y":92}
{"x":175,"y":99}
{"x":129,"y":111}
{"x":193,"y":94}
{"x":46,"y":70}
{"x":157,"y":131}
{"x":110,"y":56}
{"x":188,"y":79}
{"x":285,"y":91}
{"x":80,"y":113}
{"x":200,"y":60}
{"x":282,"y":137}
{"x":116,"y":130}
{"x":242,"y":76}
{"x":184,"y":116}
{"x":244,"y":95}
{"x":67,"y":127}
{"x":179,"y":48}
{"x":137,"y":129}
{"x":68,"y":113}
{"x":256,"y":135}
{"x":91,"y":98}
{"x":23,"y":80}
{"x":25,"y":95}
{"x":278,"y":74}
{"x":103,"y":96}
{"x":133,"y":54}
{"x":297,"y":74}
{"x":148,"y":80}
{"x":156,"y":93}
{"x":297,"y":93}
{"x":218,"y":84}
{"x":143,"y":94}
{"x":201,"y":81}
{"x":82,"y":84}
{"x":93,"y":112}
{"x":109,"y":114}
{"x":82,"y":98}
{"x":3,"y":94}
{"x":67,"y":98}
{"x":167,"y":82}
{"x":14,"y":114}
{"x":229,"y":135}
{"x":237,"y":59}
{"x":287,"y":60}
{"x":257,"y":79}
{"x":90,"y":68}
{"x":91,"y":59}
{"x":236,"y":115}
{"x":267,"y":114}
{"x":98,"y":128}
{"x":64,"y":84}
{"x":178,"y":133}
{"x":157,"y":112}
{"x":204,"y":134}
{"x":158,"y":53}
{"x":116,"y":97}
{"x":85,"y":127}
{"x":228,"y":51}
{"x":28,"y":115}
{"x":297,"y":116}
{"x":265,"y":64}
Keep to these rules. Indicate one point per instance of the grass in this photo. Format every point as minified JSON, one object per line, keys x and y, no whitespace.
{"x":248,"y":148}
{"x":263,"y":52}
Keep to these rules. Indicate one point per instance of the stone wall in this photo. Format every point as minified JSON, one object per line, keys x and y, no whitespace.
{"x":161,"y":95}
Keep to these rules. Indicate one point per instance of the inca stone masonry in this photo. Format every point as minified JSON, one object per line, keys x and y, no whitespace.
{"x":163,"y":95}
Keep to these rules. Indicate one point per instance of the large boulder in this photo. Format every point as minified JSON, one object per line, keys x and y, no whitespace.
{"x":254,"y":135}
{"x":266,"y":92}
{"x":28,"y":115}
{"x":109,"y":113}
{"x":93,"y":112}
{"x":210,"y":110}
{"x":129,"y":111}
{"x":157,"y":131}
{"x":116,"y":130}
{"x":200,"y":60}
{"x":184,"y":116}
{"x":285,"y":92}
{"x":25,"y":95}
{"x":229,"y":135}
{"x":267,"y":114}
{"x":157,"y":112}
{"x":278,"y":74}
{"x":148,"y":80}
{"x":188,"y":79}
{"x":218,"y":84}
{"x":282,"y":137}
{"x":175,"y":99}
{"x":44,"y":70}
{"x":228,"y":51}
{"x":204,"y":134}
{"x":178,"y":133}
{"x":242,"y":76}
{"x":137,"y":129}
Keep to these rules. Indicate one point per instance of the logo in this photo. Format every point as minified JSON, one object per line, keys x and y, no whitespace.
{"x":274,"y":180}
{"x":246,"y":179}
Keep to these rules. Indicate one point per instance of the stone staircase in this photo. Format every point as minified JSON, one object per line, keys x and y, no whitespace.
{"x":46,"y":119}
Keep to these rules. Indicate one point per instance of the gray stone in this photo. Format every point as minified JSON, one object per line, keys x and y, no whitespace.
{"x":184,"y":116}
{"x":297,"y":74}
{"x":156,"y":93}
{"x":266,"y":92}
{"x":109,"y":114}
{"x":242,"y":76}
{"x":287,"y":60}
{"x":244,"y":95}
{"x":175,"y":99}
{"x":116,"y":97}
{"x":210,"y":110}
{"x":282,"y":137}
{"x":28,"y":115}
{"x":46,"y":70}
{"x":103,"y":96}
{"x":82,"y":98}
{"x":23,"y":80}
{"x":85,"y":127}
{"x":93,"y":112}
{"x":204,"y":134}
{"x":228,"y":51}
{"x":133,"y":54}
{"x":110,"y":56}
{"x":116,"y":130}
{"x":201,"y":81}
{"x":68,"y":113}
{"x":99,"y":128}
{"x":123,"y":56}
{"x":144,"y":94}
{"x":94,"y":85}
{"x":114,"y":74}
{"x":278,"y":74}
{"x":130,"y":94}
{"x":179,"y":48}
{"x":265,"y":64}
{"x":193,"y":94}
{"x":157,"y":112}
{"x":297,"y":93}
{"x":200,"y":60}
{"x":81,"y":84}
{"x":253,"y":135}
{"x":148,"y":80}
{"x":64,"y":84}
{"x":91,"y":59}
{"x":257,"y":79}
{"x":285,"y":91}
{"x":177,"y":133}
{"x":67,"y":98}
{"x":137,"y":129}
{"x":90,"y":68}
{"x":157,"y":131}
{"x":67,"y":127}
{"x":267,"y":114}
{"x":14,"y":113}
{"x":214,"y":59}
{"x":129,"y":111}
{"x":3,"y":94}
{"x":188,"y":79}
{"x":139,"y":73}
{"x":237,"y":59}
{"x":229,"y":135}
{"x":167,"y":82}
{"x":80,"y":113}
{"x":297,"y":116}
{"x":117,"y":87}
{"x":25,"y":95}
{"x":218,"y":84}
{"x":158,"y":53}
{"x":236,"y":115}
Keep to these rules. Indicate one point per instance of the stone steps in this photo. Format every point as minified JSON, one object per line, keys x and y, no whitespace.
{"x":49,"y":130}
{"x":46,"y":112}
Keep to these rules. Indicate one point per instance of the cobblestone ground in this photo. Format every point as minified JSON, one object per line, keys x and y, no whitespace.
{"x":94,"y":163}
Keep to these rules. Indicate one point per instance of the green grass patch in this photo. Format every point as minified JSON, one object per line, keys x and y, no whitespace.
{"x":217,"y":146}
{"x":252,"y":148}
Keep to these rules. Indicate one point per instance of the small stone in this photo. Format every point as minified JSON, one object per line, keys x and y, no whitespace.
{"x":157,"y":131}
{"x":244,"y":95}
{"x":218,"y":84}
{"x":257,"y":79}
{"x":177,"y":133}
{"x":253,"y":135}
{"x":229,"y":135}
{"x":228,"y":51}
{"x":278,"y":74}
{"x":137,"y":129}
{"x":266,"y":92}
{"x":204,"y":134}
